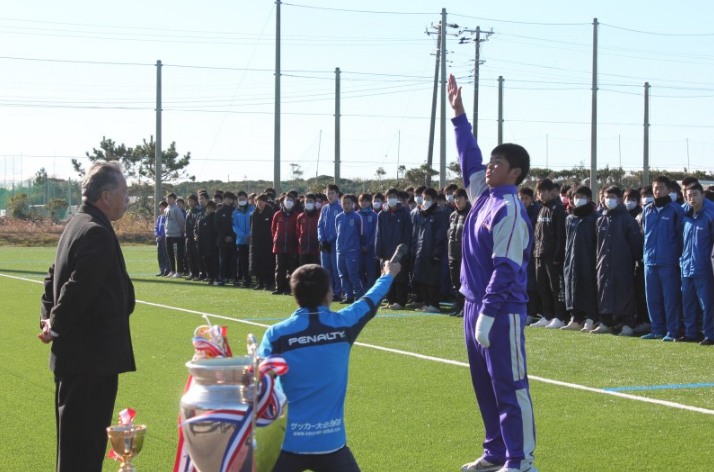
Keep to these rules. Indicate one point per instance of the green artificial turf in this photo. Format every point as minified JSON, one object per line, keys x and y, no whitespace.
{"x":402,"y":414}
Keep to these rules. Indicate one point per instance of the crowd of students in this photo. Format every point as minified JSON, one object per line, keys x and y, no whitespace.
{"x":627,"y":262}
{"x":638,"y":261}
{"x":259,"y":240}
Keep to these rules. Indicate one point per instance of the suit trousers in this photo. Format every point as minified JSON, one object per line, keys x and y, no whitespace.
{"x":309,"y":259}
{"x":84,"y":405}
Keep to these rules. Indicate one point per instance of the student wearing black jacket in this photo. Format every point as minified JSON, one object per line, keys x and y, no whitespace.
{"x":549,"y":254}
{"x":454,"y":237}
{"x":227,"y":249}
{"x":207,"y":242}
{"x":262,"y":260}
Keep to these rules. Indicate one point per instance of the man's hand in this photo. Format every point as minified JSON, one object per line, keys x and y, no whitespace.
{"x":391,"y":268}
{"x":325,"y":246}
{"x":45,"y":336}
{"x":483,"y":329}
{"x":228,"y":239}
{"x":454,"y":92}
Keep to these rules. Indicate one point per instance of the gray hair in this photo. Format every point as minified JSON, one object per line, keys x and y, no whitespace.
{"x":100,"y":177}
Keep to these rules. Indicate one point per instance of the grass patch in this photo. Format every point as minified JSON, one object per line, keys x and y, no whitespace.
{"x":402,"y":413}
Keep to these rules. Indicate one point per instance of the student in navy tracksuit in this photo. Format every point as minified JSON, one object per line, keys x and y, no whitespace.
{"x":326,"y":235}
{"x":160,"y":236}
{"x":697,"y":275}
{"x":368,"y":258}
{"x":348,"y":245}
{"x":316,"y":342}
{"x":662,"y":224}
{"x":497,"y":243}
{"x":394,"y":227}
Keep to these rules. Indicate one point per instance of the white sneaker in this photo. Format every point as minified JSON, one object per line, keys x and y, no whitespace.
{"x":589,"y":325}
{"x":430,"y":309}
{"x":643,"y":328}
{"x":601,"y":329}
{"x":481,"y":465}
{"x":572,"y":326}
{"x":395,"y":306}
{"x":626,"y":331}
{"x":177,"y":275}
{"x":527,"y":468}
{"x":170,"y":275}
{"x":555,"y":323}
{"x":542,"y":323}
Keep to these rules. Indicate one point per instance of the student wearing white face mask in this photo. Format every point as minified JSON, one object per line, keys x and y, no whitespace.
{"x":241,"y":227}
{"x":579,"y":268}
{"x":308,"y":245}
{"x":619,"y":246}
{"x":394,"y":227}
{"x":631,"y":199}
{"x":429,"y":244}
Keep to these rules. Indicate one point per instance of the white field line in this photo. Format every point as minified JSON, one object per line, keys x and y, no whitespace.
{"x":436,"y":359}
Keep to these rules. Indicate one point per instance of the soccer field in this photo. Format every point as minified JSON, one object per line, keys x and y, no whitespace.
{"x":410,"y":403}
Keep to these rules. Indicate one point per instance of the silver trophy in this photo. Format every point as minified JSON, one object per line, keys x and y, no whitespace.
{"x":218,"y":416}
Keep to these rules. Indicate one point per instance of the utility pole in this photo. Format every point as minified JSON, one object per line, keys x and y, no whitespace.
{"x":319,"y":146}
{"x":477,"y":62}
{"x":157,"y":151}
{"x":432,"y":125}
{"x":646,"y":144}
{"x":593,"y":123}
{"x":500,"y":109}
{"x":337,"y":126}
{"x":276,"y":126}
{"x":442,"y":153}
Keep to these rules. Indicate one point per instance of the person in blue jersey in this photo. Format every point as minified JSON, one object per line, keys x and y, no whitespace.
{"x":697,"y":275}
{"x":327,"y":235}
{"x":316,"y":342}
{"x":241,"y":227}
{"x":368,"y":263}
{"x":496,"y":246}
{"x":348,"y":245}
{"x":662,"y":224}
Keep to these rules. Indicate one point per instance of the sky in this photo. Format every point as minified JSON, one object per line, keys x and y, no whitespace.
{"x":76,"y":71}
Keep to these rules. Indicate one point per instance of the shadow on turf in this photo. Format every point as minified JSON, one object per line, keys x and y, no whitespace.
{"x":189,"y":283}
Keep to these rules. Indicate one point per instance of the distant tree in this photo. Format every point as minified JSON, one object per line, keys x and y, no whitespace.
{"x":296,"y":171}
{"x":140,"y":162}
{"x":380,"y":172}
{"x":420,"y":175}
{"x":40,"y":178}
{"x":55,"y":205}
{"x":19,"y":206}
{"x":401,"y":170}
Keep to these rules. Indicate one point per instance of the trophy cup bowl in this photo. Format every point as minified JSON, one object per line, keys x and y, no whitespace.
{"x":126,"y":442}
{"x":225,"y":384}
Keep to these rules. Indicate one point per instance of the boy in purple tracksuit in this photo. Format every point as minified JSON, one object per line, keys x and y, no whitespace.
{"x":496,"y":246}
{"x":160,"y":236}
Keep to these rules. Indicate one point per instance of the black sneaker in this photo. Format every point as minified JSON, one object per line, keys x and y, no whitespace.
{"x":685,"y":339}
{"x":276,"y":292}
{"x":706,"y":342}
{"x":336,"y":298}
{"x":220,"y":283}
{"x":347,"y":301}
{"x":259,"y":287}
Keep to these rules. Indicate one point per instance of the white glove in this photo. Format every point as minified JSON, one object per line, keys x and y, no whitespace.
{"x":483,"y":329}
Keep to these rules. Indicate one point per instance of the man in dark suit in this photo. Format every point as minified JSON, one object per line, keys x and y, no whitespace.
{"x":85,"y":315}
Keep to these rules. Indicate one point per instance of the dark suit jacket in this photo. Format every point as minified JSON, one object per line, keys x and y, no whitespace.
{"x":88,"y":299}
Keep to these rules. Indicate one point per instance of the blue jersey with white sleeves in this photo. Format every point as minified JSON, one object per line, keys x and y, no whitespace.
{"x":316,"y":345}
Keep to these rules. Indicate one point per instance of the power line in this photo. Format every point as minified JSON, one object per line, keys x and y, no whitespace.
{"x":313,"y":7}
{"x":519,"y":22}
{"x":655,"y":33}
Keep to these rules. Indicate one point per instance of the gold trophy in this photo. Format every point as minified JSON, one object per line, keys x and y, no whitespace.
{"x":126,"y":442}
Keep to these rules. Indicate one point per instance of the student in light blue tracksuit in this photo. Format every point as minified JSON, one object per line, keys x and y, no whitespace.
{"x":368,"y":262}
{"x":348,"y":245}
{"x":241,"y":227}
{"x":327,"y":236}
{"x":662,"y":224}
{"x":496,"y":246}
{"x":697,"y":275}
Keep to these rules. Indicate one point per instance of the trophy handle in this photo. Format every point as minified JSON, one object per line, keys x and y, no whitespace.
{"x":252,"y":344}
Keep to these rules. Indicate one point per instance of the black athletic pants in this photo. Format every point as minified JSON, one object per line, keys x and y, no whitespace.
{"x":309,"y":259}
{"x":192,"y":256}
{"x":243,"y":259}
{"x":84,"y":405}
{"x":227,"y":261}
{"x":551,"y":288}
{"x":341,"y":460}
{"x":175,"y":247}
{"x":285,"y":264}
